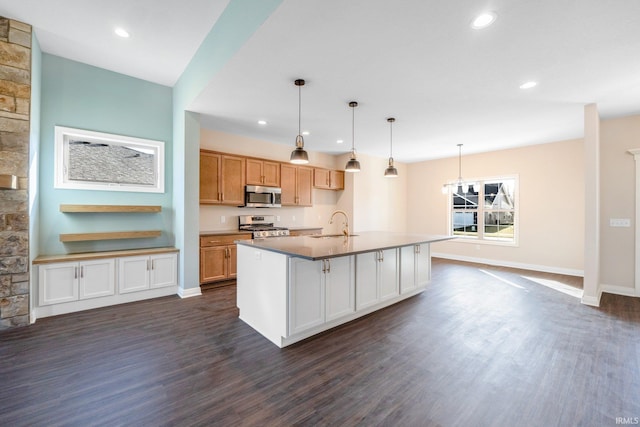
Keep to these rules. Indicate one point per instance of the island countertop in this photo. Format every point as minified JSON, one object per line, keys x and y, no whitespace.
{"x":314,"y":248}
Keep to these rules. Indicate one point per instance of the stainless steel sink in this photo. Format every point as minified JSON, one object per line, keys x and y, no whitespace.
{"x":328,"y":236}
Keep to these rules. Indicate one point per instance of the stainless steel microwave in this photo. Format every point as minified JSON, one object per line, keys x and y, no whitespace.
{"x":259,"y":196}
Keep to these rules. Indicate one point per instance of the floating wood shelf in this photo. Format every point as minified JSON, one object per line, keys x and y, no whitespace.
{"x":110,"y":208}
{"x":83,"y":237}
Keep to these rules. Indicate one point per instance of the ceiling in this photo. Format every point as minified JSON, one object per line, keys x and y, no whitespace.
{"x":416,"y":60}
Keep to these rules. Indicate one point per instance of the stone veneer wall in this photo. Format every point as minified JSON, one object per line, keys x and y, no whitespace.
{"x":15,"y":98}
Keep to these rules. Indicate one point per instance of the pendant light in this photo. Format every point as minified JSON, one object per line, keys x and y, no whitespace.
{"x":391,"y":171}
{"x":353,"y":165}
{"x":299,"y":156}
{"x":459,"y":187}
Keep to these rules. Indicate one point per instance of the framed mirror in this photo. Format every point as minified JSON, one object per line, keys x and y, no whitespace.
{"x":87,"y":160}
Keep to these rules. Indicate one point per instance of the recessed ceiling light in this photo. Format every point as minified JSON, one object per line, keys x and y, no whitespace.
{"x":122,"y":32}
{"x":340,"y":141}
{"x":262,"y":122}
{"x":305,"y":133}
{"x":483,"y":20}
{"x":528,"y":85}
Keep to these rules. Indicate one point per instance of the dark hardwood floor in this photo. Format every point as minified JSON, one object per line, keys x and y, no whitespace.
{"x":481,"y":346}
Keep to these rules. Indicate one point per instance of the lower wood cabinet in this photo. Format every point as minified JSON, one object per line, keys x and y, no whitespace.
{"x":74,"y":282}
{"x":218,"y":257}
{"x":320,"y":291}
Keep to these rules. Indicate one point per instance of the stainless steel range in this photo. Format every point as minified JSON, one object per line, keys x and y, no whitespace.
{"x":261,"y":226}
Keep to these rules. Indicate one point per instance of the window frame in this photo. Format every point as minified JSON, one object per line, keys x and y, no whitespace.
{"x":64,"y":136}
{"x":480,"y":239}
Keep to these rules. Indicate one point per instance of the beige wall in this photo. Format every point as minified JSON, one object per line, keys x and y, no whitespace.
{"x":617,"y":200}
{"x":551,"y":200}
{"x":324,"y":201}
{"x":379,"y":203}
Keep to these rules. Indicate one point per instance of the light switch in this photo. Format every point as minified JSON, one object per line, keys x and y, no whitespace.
{"x":619,"y":222}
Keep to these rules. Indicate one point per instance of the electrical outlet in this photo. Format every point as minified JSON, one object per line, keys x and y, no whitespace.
{"x":223,"y":219}
{"x":619,"y":222}
{"x":278,"y":218}
{"x":293,"y":218}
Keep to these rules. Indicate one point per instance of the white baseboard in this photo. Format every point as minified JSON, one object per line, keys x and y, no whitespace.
{"x":593,"y":301}
{"x":188,"y":293}
{"x":619,"y":290}
{"x":510,"y":264}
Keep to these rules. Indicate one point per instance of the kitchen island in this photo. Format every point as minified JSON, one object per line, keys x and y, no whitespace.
{"x":291,"y":288}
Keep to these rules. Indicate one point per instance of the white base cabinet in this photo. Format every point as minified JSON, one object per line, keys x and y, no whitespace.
{"x":140,"y":273}
{"x":376,"y":277}
{"x":288,"y":298}
{"x":319,"y":291}
{"x":415,"y":267}
{"x":65,"y":287}
{"x":73,"y":281}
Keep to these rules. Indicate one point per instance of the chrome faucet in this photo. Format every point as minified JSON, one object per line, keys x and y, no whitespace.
{"x":345,"y":230}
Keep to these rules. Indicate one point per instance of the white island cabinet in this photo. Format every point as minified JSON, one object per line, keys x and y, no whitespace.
{"x":291,"y":288}
{"x":319,"y":291}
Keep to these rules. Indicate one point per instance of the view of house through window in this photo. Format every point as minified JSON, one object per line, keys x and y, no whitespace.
{"x":487,"y":211}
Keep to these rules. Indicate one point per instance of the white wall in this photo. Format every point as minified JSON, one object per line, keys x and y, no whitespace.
{"x":379,"y":203}
{"x":617,"y":200}
{"x":551,"y":200}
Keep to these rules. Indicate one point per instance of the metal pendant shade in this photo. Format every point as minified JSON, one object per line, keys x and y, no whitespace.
{"x":299,"y":155}
{"x":353,"y":165}
{"x":391,"y":171}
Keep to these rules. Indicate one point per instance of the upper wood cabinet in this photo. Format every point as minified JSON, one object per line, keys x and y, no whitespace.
{"x":222,"y":178}
{"x":328,"y":179}
{"x":263,"y":172}
{"x":296,"y":183}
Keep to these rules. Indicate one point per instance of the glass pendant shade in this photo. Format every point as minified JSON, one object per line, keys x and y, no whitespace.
{"x":353,"y":165}
{"x":299,"y":156}
{"x":391,"y":171}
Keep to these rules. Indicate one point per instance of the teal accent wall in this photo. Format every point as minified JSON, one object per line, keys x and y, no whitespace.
{"x":85,"y":97}
{"x":236,"y":25}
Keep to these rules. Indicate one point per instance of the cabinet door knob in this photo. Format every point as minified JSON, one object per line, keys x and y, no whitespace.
{"x":75,"y":272}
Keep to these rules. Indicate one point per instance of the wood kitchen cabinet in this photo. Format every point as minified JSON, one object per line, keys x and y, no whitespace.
{"x":263,"y":172}
{"x":328,"y":179}
{"x":218,"y":257}
{"x":296,"y":183}
{"x":222,"y":178}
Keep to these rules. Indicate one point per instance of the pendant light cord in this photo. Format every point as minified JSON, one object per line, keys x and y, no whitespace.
{"x":391,"y":139}
{"x":353,"y":129}
{"x":299,"y":107}
{"x":459,"y":162}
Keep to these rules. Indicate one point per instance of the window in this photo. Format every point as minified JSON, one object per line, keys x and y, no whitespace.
{"x":487,"y":211}
{"x":87,"y":160}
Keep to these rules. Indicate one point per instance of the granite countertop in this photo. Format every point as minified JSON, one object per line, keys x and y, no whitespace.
{"x":322,"y":248}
